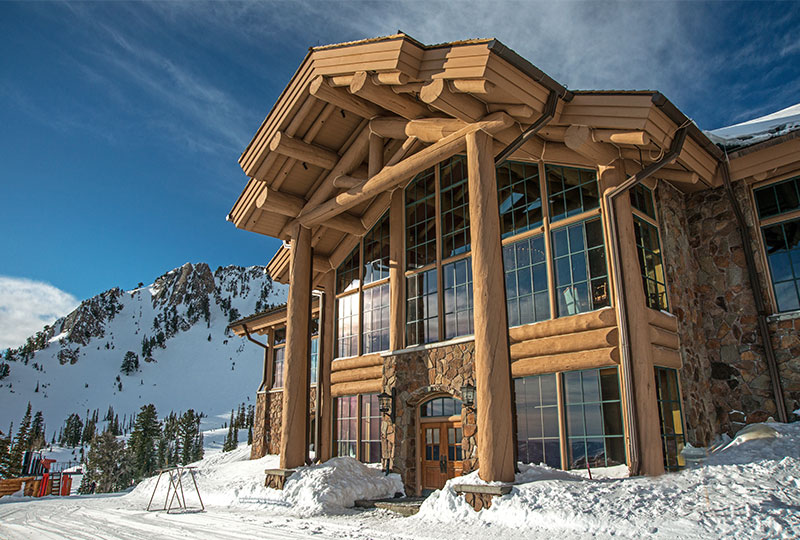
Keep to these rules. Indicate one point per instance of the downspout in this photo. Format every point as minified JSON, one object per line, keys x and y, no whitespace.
{"x":547,"y":114}
{"x":622,"y":312}
{"x":320,"y":326}
{"x":250,"y":338}
{"x":758,"y":296}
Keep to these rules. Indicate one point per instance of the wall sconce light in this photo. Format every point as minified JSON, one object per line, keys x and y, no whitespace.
{"x":468,"y":395}
{"x":386,"y":404}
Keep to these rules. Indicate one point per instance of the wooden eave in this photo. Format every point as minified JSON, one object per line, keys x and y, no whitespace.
{"x":259,"y":323}
{"x":769,"y":159}
{"x":320,"y":126}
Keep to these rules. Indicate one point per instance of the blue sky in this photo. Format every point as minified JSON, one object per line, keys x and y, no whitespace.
{"x":122,"y":123}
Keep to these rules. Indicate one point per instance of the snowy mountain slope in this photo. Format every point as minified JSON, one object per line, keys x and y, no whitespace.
{"x":176,"y":327}
{"x":758,"y":129}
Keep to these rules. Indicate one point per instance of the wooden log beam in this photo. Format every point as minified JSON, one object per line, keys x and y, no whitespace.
{"x":621,"y":136}
{"x":321,"y":264}
{"x":360,"y":387}
{"x":357,"y":362}
{"x":471,"y":86}
{"x":392,"y":175}
{"x":438,"y":94}
{"x":522,"y":112}
{"x":321,"y":89}
{"x":666,"y":357}
{"x":492,"y":371}
{"x":573,"y":361}
{"x":662,"y":320}
{"x":429,"y":130}
{"x":346,"y":223}
{"x":664,"y":338}
{"x":359,"y":374}
{"x":364,"y":87}
{"x":375,"y":155}
{"x":285,"y":204}
{"x":408,"y":88}
{"x":565,"y":343}
{"x":392,"y":78}
{"x":602,"y":318}
{"x":397,"y":319}
{"x":309,"y":153}
{"x":579,"y":139}
{"x":346,"y":182}
{"x":294,"y":443}
{"x":681,"y":177}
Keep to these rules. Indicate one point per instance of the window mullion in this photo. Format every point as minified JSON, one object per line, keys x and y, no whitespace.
{"x":439,"y":277}
{"x":548,"y":241}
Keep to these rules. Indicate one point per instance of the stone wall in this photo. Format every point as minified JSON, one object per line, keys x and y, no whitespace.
{"x":725,"y":379}
{"x":417,"y":376}
{"x":267,"y":425}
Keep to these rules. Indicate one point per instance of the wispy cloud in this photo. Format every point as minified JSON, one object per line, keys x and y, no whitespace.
{"x":27,"y":305}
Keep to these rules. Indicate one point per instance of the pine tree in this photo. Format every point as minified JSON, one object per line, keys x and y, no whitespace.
{"x":107,"y":465}
{"x":229,"y":443}
{"x":36,"y":440}
{"x":5,"y":447}
{"x":251,"y":416}
{"x":73,"y":430}
{"x":143,"y":440}
{"x":5,"y":370}
{"x":20,"y":445}
{"x":130,"y":363}
{"x":89,"y":430}
{"x":249,"y":436}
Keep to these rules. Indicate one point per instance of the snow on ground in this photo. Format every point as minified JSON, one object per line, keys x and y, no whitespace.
{"x":750,"y":488}
{"x":758,"y":129}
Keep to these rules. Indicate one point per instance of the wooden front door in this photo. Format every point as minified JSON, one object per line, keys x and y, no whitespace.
{"x":441,"y":452}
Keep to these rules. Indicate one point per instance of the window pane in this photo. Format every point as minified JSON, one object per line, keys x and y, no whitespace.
{"x":519,"y":197}
{"x":579,"y":258}
{"x":347,"y":273}
{"x":454,"y":206}
{"x":421,"y":308}
{"x":376,"y":311}
{"x":421,"y":220}
{"x":651,"y":264}
{"x":458,"y":298}
{"x":670,"y":417}
{"x":781,"y":241}
{"x":347,"y":326}
{"x":376,"y":251}
{"x":537,"y":420}
{"x":594,"y":418}
{"x":570,"y":191}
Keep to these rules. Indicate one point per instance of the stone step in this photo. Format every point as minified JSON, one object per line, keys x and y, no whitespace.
{"x":405,"y":506}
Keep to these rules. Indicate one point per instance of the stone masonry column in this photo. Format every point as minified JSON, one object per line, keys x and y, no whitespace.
{"x":295,"y":379}
{"x":492,"y":366}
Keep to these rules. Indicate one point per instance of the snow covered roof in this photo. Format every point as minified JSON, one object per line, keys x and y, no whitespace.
{"x":758,"y":129}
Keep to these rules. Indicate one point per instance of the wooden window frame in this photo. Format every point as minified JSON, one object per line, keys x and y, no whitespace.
{"x":359,"y":421}
{"x":760,"y":224}
{"x":654,"y":222}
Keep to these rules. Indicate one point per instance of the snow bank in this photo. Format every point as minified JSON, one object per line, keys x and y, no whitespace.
{"x":337,"y":484}
{"x":231,"y":479}
{"x":749,"y":489}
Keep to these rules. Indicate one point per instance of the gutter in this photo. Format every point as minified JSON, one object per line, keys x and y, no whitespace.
{"x":547,"y":114}
{"x":622,"y":312}
{"x":758,"y":296}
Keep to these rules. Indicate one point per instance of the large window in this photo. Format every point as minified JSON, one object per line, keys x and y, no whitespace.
{"x":527,"y":290}
{"x":648,"y":248}
{"x":669,"y":415}
{"x":277,"y":367}
{"x":778,"y":207}
{"x":437,"y":254}
{"x":357,"y":427}
{"x":579,"y":258}
{"x":362,"y":289}
{"x":594,"y":418}
{"x":537,"y":420}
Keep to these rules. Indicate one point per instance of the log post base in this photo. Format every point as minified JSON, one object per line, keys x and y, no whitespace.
{"x":276,"y":478}
{"x":480,"y":496}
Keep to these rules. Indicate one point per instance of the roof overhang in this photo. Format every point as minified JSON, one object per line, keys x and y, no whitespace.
{"x":312,"y":150}
{"x":260,"y":323}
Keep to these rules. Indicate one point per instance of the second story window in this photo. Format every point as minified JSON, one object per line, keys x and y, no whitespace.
{"x":778,"y":207}
{"x":648,"y":248}
{"x":362,"y":295}
{"x":579,"y":258}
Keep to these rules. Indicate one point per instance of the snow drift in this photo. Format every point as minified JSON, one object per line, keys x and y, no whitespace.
{"x":233,"y":480}
{"x":749,"y":489}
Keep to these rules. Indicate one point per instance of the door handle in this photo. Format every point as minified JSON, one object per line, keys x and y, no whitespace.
{"x":443,"y":465}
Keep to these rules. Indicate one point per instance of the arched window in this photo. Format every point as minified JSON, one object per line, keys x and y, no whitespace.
{"x":443,"y":406}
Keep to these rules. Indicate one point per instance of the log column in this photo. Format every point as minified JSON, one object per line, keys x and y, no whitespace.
{"x":396,"y":278}
{"x":294,"y":416}
{"x":492,"y":366}
{"x":646,"y":402}
{"x":328,"y":341}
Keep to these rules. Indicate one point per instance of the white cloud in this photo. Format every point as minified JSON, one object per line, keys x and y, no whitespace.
{"x":27,"y":305}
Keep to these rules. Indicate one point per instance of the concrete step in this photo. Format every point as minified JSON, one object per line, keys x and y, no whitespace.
{"x":405,"y":506}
